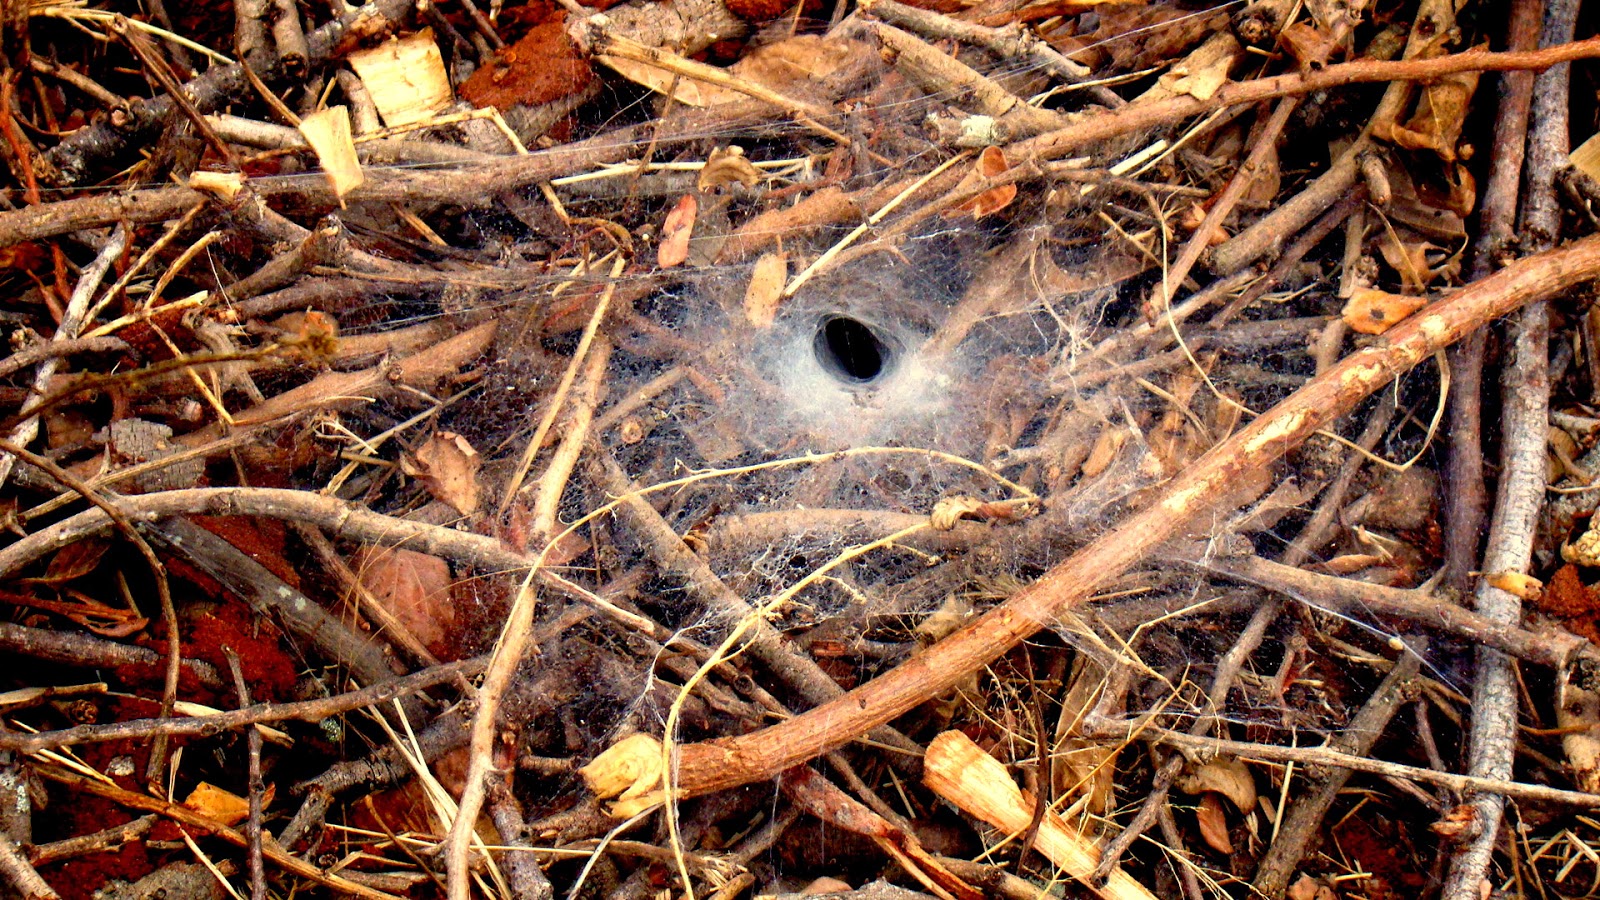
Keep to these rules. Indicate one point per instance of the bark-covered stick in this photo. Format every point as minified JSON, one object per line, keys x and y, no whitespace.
{"x":725,"y":763}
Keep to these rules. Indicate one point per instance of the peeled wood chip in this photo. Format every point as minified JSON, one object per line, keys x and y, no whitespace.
{"x":765,"y":291}
{"x":1586,"y":158}
{"x":225,"y":185}
{"x":958,"y":770}
{"x":406,"y":77}
{"x":1371,"y":311}
{"x":328,"y":133}
{"x":1526,"y":587}
{"x":675,"y":233}
{"x":629,"y":770}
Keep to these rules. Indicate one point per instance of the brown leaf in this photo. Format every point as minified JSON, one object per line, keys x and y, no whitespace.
{"x":765,"y":291}
{"x":725,"y":166}
{"x":991,"y":164}
{"x":675,"y":233}
{"x":1309,"y":46}
{"x":448,"y":467}
{"x":1441,"y":113}
{"x":1229,"y":777}
{"x":219,"y":805}
{"x":1213,"y":821}
{"x":414,"y":586}
{"x":1371,"y":311}
{"x":74,"y":561}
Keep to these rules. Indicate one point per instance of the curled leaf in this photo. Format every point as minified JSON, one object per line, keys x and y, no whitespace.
{"x":765,"y":291}
{"x":675,"y":233}
{"x":1371,"y":311}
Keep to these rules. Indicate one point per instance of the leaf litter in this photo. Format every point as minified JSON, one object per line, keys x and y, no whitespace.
{"x":709,"y":448}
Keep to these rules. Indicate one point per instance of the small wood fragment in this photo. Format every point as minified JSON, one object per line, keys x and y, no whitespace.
{"x":958,"y":770}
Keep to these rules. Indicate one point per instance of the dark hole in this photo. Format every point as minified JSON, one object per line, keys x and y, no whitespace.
{"x":851,"y":350}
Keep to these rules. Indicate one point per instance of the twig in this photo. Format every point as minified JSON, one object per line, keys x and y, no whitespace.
{"x":1323,"y":756}
{"x":1465,"y":499}
{"x":300,"y":710}
{"x":252,"y":827}
{"x":1525,"y":419}
{"x":185,"y":816}
{"x":72,"y":323}
{"x":753,"y":757}
{"x":1348,"y":596}
{"x":16,"y":870}
{"x":1300,"y":826}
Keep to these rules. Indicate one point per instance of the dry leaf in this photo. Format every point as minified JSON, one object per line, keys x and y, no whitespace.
{"x":1371,"y":311}
{"x":1229,"y":777}
{"x":406,"y":78}
{"x":725,"y":166}
{"x":221,"y":806}
{"x":448,"y":467}
{"x":765,"y":291}
{"x":792,"y":65}
{"x":1441,"y":113}
{"x":414,"y":586}
{"x":328,"y":133}
{"x":675,"y":233}
{"x":686,"y":91}
{"x":1213,"y":821}
{"x":1309,"y":46}
{"x":991,"y":164}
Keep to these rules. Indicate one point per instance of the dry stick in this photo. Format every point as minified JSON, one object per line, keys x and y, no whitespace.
{"x":1524,"y":424}
{"x":1009,"y":43}
{"x":40,"y":352}
{"x":146,"y":53}
{"x":185,"y":816}
{"x":1466,"y":500}
{"x":1349,"y":596}
{"x":720,"y":764}
{"x":169,"y":613}
{"x":478,"y":184}
{"x":1305,"y":817}
{"x":1266,"y":145}
{"x":1317,"y":529}
{"x":204,"y":726}
{"x":95,"y":842}
{"x":558,"y":397}
{"x":72,"y":649}
{"x":1323,"y":756}
{"x":72,"y":322}
{"x":16,"y":869}
{"x":252,"y":827}
{"x":547,"y":502}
